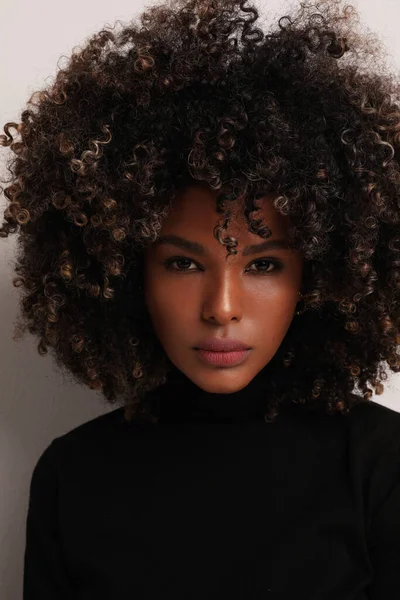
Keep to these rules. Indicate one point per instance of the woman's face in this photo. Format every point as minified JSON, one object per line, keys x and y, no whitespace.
{"x":195,"y":296}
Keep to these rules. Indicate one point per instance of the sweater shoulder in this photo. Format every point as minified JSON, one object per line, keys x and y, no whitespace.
{"x":366,"y":415}
{"x":369,"y":417}
{"x":376,"y":426}
{"x":107,"y":422}
{"x":369,"y":429}
{"x":98,"y":431}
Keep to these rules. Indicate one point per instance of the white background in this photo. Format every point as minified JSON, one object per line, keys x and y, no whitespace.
{"x":36,"y":404}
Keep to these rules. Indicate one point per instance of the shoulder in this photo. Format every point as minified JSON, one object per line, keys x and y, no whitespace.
{"x":374,"y":443}
{"x":96,"y":436}
{"x":369,"y":439}
{"x":368,"y":433}
{"x":370,"y":410}
{"x":374,"y":455}
{"x":366,"y":418}
{"x":107,"y":423}
{"x":373,"y":423}
{"x":365,"y":441}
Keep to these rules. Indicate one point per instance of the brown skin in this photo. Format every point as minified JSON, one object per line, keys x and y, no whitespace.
{"x":201,"y":296}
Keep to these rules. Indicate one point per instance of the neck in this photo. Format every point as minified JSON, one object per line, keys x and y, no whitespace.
{"x":182,"y":400}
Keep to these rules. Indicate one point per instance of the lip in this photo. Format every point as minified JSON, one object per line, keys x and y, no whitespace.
{"x":223,"y":352}
{"x":222,"y":345}
{"x":223,"y":359}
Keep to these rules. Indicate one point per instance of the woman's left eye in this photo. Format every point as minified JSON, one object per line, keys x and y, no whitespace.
{"x":264,"y":263}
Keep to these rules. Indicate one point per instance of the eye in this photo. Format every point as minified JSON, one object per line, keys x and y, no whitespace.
{"x":264,"y":263}
{"x":179,"y":260}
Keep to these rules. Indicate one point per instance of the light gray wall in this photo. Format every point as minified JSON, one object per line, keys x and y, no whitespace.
{"x":36,"y":404}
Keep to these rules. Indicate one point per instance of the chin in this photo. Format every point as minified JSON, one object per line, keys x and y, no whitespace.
{"x":220,"y":384}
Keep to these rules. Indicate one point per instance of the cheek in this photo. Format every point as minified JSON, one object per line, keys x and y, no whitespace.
{"x":272,"y":312}
{"x":168,"y":312}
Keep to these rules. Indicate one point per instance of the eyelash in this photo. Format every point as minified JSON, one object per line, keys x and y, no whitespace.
{"x":278,"y":266}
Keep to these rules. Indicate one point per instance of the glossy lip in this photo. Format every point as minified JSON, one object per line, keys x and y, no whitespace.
{"x":223,"y":359}
{"x":222,"y":352}
{"x":222,"y":345}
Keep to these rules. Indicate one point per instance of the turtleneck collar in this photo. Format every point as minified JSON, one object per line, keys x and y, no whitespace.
{"x":181,"y":400}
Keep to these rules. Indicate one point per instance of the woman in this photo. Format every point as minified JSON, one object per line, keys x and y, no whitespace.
{"x":209,"y":236}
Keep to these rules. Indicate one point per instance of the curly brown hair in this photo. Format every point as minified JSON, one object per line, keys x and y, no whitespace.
{"x":196,"y":92}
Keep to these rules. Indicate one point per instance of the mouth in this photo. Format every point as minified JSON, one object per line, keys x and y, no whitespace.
{"x":227,"y":358}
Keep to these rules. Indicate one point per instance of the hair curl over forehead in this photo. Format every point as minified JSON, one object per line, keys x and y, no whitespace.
{"x":199,"y":92}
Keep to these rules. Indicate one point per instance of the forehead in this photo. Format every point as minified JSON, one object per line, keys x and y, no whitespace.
{"x":194,"y":212}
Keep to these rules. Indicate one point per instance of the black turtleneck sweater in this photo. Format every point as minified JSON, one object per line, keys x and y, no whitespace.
{"x":214,"y":502}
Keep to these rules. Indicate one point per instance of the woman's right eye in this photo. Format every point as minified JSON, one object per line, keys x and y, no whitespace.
{"x":183,"y":264}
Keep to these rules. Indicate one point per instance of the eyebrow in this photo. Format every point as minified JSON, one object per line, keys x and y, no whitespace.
{"x":184,"y":244}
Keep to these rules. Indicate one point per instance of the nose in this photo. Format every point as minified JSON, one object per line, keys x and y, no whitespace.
{"x":223,"y":300}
